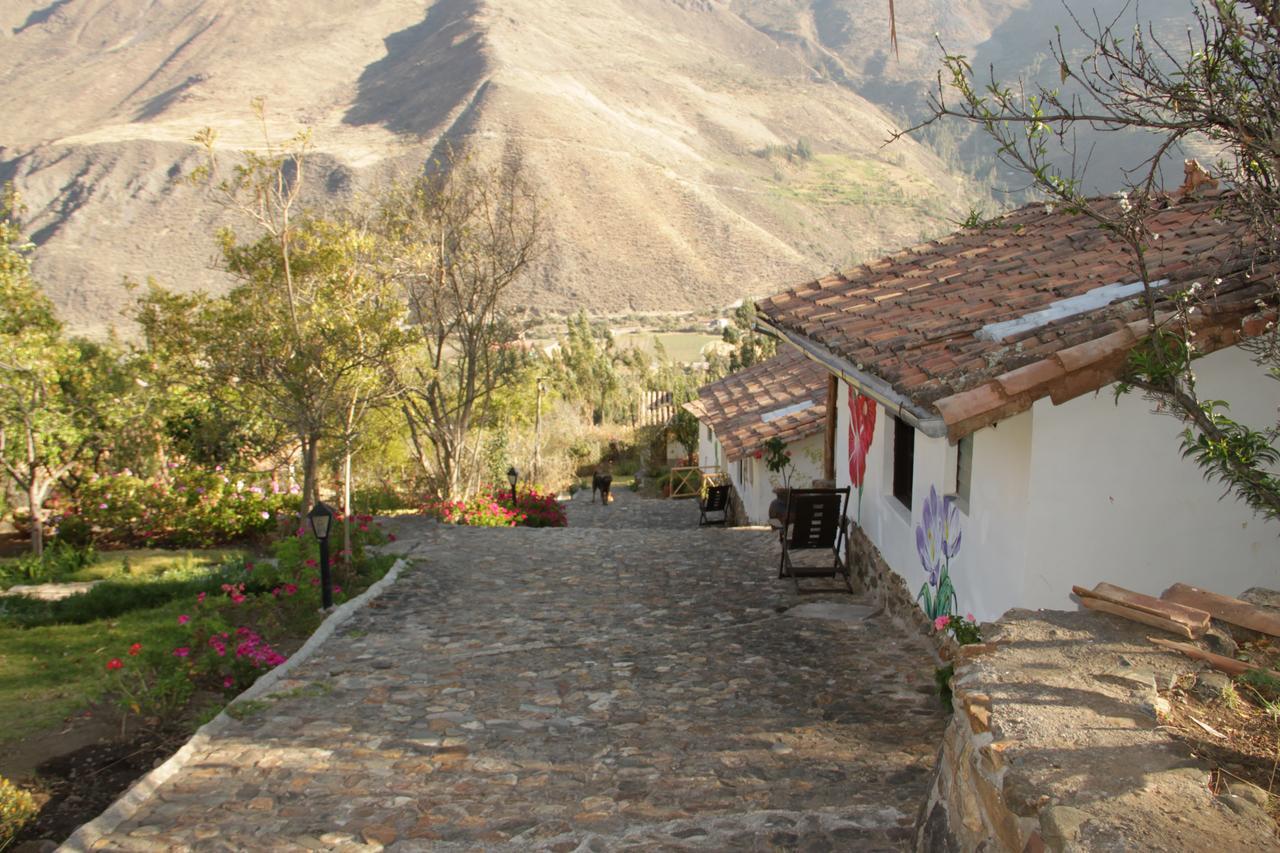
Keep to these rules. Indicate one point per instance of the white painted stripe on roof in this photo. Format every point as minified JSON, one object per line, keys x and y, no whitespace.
{"x":1099,"y":297}
{"x":770,"y":417}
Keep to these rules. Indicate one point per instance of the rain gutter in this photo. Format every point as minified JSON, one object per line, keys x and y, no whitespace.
{"x":928,"y":422}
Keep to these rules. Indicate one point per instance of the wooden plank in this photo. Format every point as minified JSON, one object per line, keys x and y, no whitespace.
{"x":1197,"y":621}
{"x":833,"y":417}
{"x":1226,"y":608}
{"x":1230,"y":666}
{"x":1138,"y":616}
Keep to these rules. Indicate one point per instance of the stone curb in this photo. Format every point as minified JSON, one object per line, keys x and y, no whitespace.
{"x":124,"y":808}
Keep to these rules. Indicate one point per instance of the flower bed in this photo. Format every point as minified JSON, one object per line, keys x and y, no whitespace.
{"x":193,"y":508}
{"x":233,"y":627}
{"x":492,"y":508}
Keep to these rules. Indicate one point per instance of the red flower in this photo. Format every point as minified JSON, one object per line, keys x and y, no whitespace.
{"x":115,"y":663}
{"x":862,"y":429}
{"x":134,"y":650}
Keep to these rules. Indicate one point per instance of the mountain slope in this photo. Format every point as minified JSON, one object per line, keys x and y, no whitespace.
{"x":665,"y":135}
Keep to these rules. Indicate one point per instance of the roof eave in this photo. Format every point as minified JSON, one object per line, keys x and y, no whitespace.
{"x":928,"y":422}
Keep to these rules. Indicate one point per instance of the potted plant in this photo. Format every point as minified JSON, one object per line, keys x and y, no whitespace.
{"x":777,"y":458}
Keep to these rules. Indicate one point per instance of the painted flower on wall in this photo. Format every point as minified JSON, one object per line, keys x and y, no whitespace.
{"x":937,"y":541}
{"x":862,"y":429}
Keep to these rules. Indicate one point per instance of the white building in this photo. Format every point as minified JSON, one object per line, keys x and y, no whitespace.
{"x":979,"y":368}
{"x":782,"y":397}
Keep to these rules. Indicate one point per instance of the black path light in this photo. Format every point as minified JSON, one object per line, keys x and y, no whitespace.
{"x":321,"y":518}
{"x":513,"y":477}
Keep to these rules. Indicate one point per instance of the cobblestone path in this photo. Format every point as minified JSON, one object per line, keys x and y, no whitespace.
{"x":590,"y":688}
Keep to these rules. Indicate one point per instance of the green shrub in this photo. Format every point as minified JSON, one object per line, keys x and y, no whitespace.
{"x":17,"y":808}
{"x":495,"y":508}
{"x":378,"y":500}
{"x":58,"y":561}
{"x":191,"y":508}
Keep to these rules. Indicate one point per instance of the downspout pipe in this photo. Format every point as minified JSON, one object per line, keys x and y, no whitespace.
{"x":928,"y":422}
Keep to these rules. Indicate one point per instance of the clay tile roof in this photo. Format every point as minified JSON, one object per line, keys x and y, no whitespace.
{"x":979,"y":324}
{"x":751,"y":406}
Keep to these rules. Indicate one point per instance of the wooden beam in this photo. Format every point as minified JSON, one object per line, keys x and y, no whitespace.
{"x":833,"y":413}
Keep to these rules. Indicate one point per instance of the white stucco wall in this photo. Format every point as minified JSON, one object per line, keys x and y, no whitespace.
{"x":753,"y":480}
{"x":1113,"y":500}
{"x":1076,"y":494}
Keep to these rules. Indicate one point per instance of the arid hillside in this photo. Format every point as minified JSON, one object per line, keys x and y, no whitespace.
{"x":688,"y":152}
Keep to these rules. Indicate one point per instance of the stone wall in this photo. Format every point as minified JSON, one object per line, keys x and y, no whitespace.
{"x":872,"y":575}
{"x":1054,"y":746}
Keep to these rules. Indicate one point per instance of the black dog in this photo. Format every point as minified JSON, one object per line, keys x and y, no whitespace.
{"x":600,"y":482}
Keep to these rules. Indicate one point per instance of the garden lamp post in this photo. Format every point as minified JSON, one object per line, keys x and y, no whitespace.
{"x":513,"y":477}
{"x":321,"y":518}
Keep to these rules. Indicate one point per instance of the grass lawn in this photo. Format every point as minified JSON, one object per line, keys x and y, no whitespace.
{"x":48,"y":672}
{"x":149,"y":562}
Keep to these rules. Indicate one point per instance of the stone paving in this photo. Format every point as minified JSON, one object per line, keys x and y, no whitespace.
{"x":599,"y":687}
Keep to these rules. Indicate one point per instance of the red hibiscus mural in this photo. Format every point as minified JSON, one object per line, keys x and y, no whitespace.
{"x":862,"y":429}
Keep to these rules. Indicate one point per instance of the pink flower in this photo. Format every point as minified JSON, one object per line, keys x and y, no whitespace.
{"x":315,"y":581}
{"x":969,"y":616}
{"x":181,"y":652}
{"x":336,"y":589}
{"x":184,"y":619}
{"x":200,"y":598}
{"x":941,"y":622}
{"x":309,"y":563}
{"x":228,"y":681}
{"x":237,"y":597}
{"x":290,"y":588}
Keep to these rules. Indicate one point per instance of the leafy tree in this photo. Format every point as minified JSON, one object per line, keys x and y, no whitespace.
{"x":454,"y":243}
{"x":587,"y":365}
{"x":749,"y":346}
{"x":307,"y":326}
{"x":1223,"y":85}
{"x":55,"y":405}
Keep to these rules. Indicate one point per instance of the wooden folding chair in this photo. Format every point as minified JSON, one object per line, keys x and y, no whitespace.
{"x":716,"y":500}
{"x":816,"y":521}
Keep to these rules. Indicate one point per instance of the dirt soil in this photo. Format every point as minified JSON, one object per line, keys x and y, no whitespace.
{"x":81,"y":768}
{"x":77,"y":770}
{"x":1233,"y":727}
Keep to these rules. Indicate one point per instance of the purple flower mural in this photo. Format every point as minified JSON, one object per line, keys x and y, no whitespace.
{"x":937,"y":541}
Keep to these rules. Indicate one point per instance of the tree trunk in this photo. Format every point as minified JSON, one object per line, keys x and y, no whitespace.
{"x":346,"y":507}
{"x":37,"y":520}
{"x":309,"y":485}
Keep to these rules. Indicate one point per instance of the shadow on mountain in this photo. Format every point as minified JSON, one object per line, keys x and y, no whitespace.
{"x":39,"y":16}
{"x":1020,"y":47}
{"x":431,"y":73}
{"x":157,"y":104}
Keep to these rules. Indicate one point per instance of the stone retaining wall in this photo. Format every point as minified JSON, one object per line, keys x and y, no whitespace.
{"x":1054,"y":746}
{"x":871,"y":574}
{"x":1054,"y":742}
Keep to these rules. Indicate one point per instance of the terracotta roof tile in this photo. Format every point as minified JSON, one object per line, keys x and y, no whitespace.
{"x":735,"y":406}
{"x":912,"y":319}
